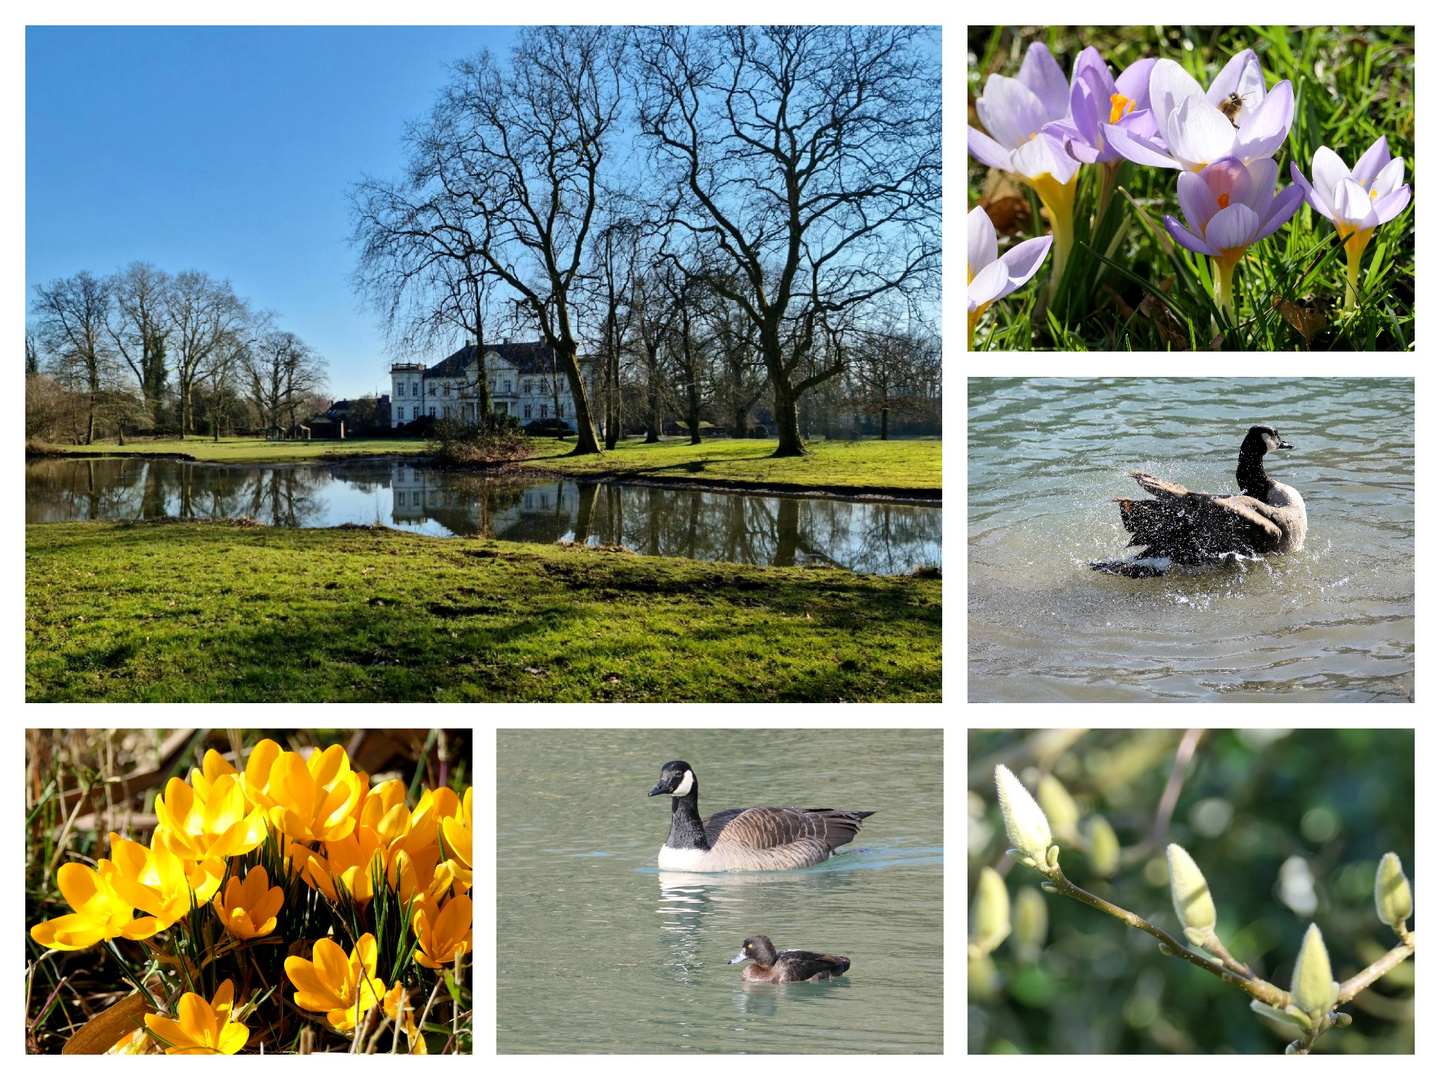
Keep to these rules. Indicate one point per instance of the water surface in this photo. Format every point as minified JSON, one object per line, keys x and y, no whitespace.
{"x":600,"y":952}
{"x":1047,"y":459}
{"x":712,"y":526}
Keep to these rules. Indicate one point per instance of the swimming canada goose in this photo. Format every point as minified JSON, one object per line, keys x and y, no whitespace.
{"x":1192,"y":527}
{"x":761,"y":838}
{"x":792,"y":965}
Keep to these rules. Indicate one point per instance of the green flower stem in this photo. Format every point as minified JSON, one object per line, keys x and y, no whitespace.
{"x":1257,"y":988}
{"x":1394,"y":958}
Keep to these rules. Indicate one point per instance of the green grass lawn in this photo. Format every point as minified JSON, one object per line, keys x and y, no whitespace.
{"x":247,"y":450}
{"x":214,"y":612}
{"x":868,"y":464}
{"x":903,"y":465}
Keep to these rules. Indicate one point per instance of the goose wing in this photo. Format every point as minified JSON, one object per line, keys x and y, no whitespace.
{"x":1186,"y":525}
{"x":766,"y":828}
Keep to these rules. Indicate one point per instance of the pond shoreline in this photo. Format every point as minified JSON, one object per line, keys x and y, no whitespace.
{"x":522,"y":471}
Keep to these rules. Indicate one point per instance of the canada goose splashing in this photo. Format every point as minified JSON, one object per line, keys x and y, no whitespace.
{"x":1192,"y":527}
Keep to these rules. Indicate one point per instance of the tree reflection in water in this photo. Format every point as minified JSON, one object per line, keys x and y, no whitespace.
{"x":885,"y":538}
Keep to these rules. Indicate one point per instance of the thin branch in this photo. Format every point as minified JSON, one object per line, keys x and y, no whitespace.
{"x":1256,"y":987}
{"x":1396,"y":956}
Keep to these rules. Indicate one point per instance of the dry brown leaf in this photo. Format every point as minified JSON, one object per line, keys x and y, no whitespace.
{"x":102,"y":1032}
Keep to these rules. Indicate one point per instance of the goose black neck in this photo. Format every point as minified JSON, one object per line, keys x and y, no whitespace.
{"x":1250,"y":474}
{"x":686,"y":831}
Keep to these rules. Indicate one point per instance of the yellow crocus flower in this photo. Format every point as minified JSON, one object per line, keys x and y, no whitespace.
{"x":100,"y":913}
{"x":248,"y":909}
{"x":201,"y":1027}
{"x":442,"y":932}
{"x":331,"y":983}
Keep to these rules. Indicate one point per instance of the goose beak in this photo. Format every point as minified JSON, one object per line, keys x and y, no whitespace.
{"x":740,"y":959}
{"x":1285,"y":445}
{"x":659,"y":789}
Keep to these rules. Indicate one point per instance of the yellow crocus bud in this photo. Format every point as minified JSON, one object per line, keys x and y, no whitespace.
{"x":1059,"y":807}
{"x":1314,"y":989}
{"x":992,"y":910}
{"x":1191,"y":896}
{"x":1392,"y":891}
{"x":1025,"y":822}
{"x":1104,"y":847}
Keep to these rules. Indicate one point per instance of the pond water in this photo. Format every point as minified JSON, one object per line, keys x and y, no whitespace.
{"x":1048,"y":458}
{"x":600,"y":952}
{"x":713,"y":526}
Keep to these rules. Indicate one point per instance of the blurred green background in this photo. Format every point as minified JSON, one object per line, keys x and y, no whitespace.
{"x":1287,"y":826}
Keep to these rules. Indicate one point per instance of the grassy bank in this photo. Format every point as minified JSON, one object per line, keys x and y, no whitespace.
{"x":865,"y":465}
{"x":251,"y":451}
{"x":195,"y":612}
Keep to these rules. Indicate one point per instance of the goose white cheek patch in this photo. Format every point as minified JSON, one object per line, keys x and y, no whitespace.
{"x":685,"y":785}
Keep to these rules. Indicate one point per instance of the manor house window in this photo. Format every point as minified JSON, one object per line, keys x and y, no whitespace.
{"x":414,"y":389}
{"x":544,"y":411}
{"x":527,"y":412}
{"x":544,"y":386}
{"x":527,"y":386}
{"x":507,"y":386}
{"x":432,"y":410}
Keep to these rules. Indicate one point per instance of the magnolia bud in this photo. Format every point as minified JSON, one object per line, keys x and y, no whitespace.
{"x":1059,"y":807}
{"x":1032,"y":920}
{"x":1104,"y":847}
{"x":1025,"y":822}
{"x":1191,"y":896}
{"x":1312,"y":986}
{"x":1392,"y":891}
{"x":992,"y":910}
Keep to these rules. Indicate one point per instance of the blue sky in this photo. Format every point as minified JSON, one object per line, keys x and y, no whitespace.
{"x":229,"y":150}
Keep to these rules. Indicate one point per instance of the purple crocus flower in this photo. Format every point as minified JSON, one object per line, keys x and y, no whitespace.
{"x":1015,"y":112}
{"x":1356,"y":200}
{"x":992,"y":275}
{"x":1192,"y":131}
{"x":1097,"y":98}
{"x":1230,"y":205}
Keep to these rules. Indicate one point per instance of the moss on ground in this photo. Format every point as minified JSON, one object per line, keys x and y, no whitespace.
{"x":218,"y":612}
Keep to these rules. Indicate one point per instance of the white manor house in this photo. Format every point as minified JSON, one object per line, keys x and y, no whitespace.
{"x":526,"y":382}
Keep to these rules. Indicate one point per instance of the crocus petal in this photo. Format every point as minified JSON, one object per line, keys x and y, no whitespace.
{"x":1042,"y":74}
{"x":1326,"y":172}
{"x":1240,"y":75}
{"x":1257,"y":189}
{"x":1170,"y":84}
{"x":1372,"y":163}
{"x":1043,"y":156}
{"x":68,"y":932}
{"x":1281,"y":209}
{"x":1199,"y":134}
{"x":1021,"y":262}
{"x":1143,"y":149}
{"x":169,"y":1030}
{"x":1387,"y":180}
{"x":986,"y":150}
{"x":988,"y":285}
{"x":1264,"y":131}
{"x":1010,"y":111}
{"x":1187,"y":239}
{"x":1134,"y":82}
{"x":1233,"y":227}
{"x":1197,"y":201}
{"x":233,"y":1038}
{"x":1354,"y":206}
{"x":1389,"y":206}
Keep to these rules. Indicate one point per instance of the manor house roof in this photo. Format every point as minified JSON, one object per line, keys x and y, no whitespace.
{"x":527,"y":357}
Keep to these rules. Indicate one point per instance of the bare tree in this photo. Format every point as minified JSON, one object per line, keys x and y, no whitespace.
{"x":140,"y":329}
{"x":420,"y":265}
{"x":807,"y":163}
{"x":894,"y":371}
{"x":687,"y":346}
{"x":525,"y":147}
{"x":205,"y":315}
{"x":71,"y":315}
{"x":280,"y":372}
{"x":32,"y":352}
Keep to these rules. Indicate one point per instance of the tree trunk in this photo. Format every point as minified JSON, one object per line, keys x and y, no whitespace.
{"x":694,"y":416}
{"x":884,"y":422}
{"x":586,"y":441}
{"x":787,"y":422}
{"x":741,"y":430}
